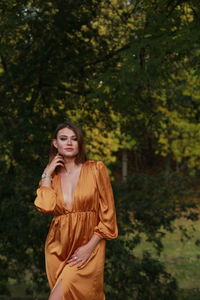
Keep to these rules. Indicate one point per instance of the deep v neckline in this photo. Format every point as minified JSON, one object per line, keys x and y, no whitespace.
{"x":74,"y":193}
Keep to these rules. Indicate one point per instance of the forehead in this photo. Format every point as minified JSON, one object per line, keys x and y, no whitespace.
{"x":66,"y":131}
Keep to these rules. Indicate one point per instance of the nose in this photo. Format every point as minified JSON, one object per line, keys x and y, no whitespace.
{"x":69,"y":141}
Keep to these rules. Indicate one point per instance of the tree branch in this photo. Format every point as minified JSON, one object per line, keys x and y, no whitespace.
{"x":5,"y":67}
{"x":71,"y":91}
{"x":174,"y":6}
{"x":107,"y":56}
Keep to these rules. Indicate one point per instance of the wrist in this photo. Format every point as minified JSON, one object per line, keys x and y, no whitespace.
{"x":46,"y":175}
{"x":93,"y":241}
{"x":90,"y":246}
{"x":48,"y":171}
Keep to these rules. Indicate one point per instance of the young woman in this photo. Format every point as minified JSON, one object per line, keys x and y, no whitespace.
{"x":79,"y":194}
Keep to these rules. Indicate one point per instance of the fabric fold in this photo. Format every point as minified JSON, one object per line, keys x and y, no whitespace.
{"x":45,"y":200}
{"x":107,"y":226}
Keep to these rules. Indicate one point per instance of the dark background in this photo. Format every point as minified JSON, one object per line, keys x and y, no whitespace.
{"x":128,"y":73}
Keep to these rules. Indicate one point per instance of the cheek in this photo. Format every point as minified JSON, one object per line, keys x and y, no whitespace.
{"x":59,"y":144}
{"x":77,"y":147}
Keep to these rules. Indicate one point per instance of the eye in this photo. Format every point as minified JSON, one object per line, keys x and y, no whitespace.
{"x":74,"y":139}
{"x":62,"y":139}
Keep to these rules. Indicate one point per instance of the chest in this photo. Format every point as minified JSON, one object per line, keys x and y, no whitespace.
{"x":79,"y":193}
{"x":69,"y":184}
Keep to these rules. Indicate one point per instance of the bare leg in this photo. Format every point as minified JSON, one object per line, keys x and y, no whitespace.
{"x":56,"y":293}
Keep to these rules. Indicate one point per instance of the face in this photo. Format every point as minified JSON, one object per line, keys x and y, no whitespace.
{"x":66,"y":143}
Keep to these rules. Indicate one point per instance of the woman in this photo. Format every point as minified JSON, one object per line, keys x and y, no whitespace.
{"x":79,"y":194}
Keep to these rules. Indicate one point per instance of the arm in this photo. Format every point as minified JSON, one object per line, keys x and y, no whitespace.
{"x":46,"y":196}
{"x":107,"y":226}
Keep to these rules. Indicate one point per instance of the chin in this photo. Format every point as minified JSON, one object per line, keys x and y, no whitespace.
{"x":71,"y":155}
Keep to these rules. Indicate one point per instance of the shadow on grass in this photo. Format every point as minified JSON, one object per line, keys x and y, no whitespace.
{"x":189,"y":294}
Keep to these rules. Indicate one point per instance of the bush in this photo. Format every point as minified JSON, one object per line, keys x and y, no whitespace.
{"x":145,"y":205}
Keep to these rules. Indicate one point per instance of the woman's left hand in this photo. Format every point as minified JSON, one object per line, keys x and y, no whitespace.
{"x":81,"y":255}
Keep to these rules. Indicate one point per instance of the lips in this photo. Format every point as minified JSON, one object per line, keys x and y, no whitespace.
{"x":69,"y":149}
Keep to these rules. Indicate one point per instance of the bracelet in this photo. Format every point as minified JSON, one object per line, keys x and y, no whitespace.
{"x":45,"y":175}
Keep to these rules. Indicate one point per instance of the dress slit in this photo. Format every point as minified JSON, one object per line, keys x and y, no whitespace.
{"x":60,"y":282}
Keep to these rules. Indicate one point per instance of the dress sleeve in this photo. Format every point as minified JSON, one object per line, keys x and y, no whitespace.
{"x":107,"y":226}
{"x":45,"y":200}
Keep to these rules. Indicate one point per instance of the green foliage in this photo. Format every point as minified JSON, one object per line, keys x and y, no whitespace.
{"x":128,"y":73}
{"x":145,"y":204}
{"x":135,"y":278}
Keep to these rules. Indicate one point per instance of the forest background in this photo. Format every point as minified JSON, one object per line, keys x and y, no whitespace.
{"x":128,"y":72}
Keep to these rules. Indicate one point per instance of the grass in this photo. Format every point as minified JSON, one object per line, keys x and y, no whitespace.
{"x":181,"y":257}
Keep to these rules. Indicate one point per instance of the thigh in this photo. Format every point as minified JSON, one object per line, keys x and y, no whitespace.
{"x":56,"y":293}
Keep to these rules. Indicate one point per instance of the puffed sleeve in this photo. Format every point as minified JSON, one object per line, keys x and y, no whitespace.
{"x":107,"y":226}
{"x":46,"y":199}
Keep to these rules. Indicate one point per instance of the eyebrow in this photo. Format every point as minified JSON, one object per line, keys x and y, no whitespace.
{"x":63,"y":135}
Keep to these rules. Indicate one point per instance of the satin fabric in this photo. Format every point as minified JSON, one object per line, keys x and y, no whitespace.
{"x":93,"y":211}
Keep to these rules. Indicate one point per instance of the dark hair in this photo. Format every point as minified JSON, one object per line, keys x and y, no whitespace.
{"x":81,"y":157}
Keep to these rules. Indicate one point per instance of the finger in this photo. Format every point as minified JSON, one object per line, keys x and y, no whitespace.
{"x":59,"y":164}
{"x":72,"y":256}
{"x":81,"y":263}
{"x":72,"y":259}
{"x":59,"y":159}
{"x":58,"y":154}
{"x":75,"y":262}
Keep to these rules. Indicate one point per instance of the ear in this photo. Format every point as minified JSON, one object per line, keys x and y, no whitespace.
{"x":54,"y":142}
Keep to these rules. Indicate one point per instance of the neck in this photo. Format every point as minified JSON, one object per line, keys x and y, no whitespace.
{"x":69,"y":163}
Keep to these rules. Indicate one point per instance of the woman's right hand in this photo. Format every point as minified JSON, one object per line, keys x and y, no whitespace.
{"x":57,"y":161}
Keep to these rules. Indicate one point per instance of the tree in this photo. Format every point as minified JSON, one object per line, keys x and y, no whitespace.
{"x":125,"y":69}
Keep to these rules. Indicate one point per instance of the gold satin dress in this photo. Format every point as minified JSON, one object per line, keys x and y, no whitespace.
{"x":93,"y":211}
